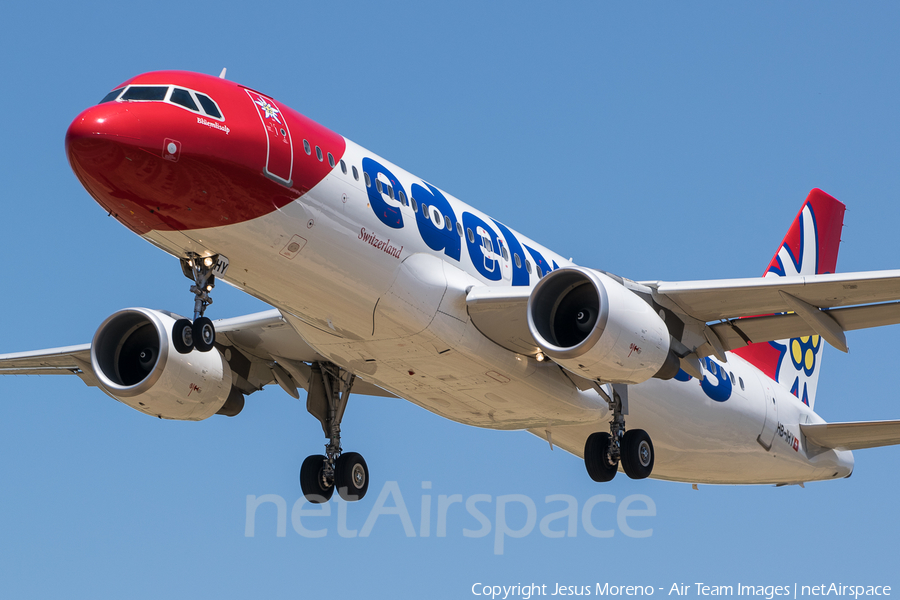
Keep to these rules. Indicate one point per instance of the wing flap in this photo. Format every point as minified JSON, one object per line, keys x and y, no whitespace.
{"x":790,"y":325}
{"x":853,"y":436}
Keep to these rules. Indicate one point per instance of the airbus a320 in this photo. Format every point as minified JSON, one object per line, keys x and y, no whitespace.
{"x":383,"y":284}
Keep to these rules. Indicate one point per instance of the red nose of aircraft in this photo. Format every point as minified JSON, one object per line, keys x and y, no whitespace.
{"x":96,"y":145}
{"x":182,"y":151}
{"x":110,"y":119}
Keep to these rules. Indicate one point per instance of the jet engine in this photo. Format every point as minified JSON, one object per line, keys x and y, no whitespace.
{"x":135,"y":362}
{"x":595,"y":327}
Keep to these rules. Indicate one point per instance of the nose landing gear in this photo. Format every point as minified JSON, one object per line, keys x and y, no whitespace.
{"x":199,"y":333}
{"x":633,"y":448}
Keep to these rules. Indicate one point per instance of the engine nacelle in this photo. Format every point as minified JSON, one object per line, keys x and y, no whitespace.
{"x":597,"y":328}
{"x":135,"y":362}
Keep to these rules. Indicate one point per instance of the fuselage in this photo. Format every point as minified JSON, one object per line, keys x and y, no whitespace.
{"x":371,"y":265}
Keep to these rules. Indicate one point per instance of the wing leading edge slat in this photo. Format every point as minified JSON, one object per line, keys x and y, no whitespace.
{"x":732,"y":298}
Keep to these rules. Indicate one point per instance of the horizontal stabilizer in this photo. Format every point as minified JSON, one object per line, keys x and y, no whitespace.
{"x":853,"y":436}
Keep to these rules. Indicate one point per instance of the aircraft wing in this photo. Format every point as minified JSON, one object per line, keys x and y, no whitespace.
{"x":258,"y":345}
{"x":853,"y":436}
{"x":737,"y":311}
{"x":827,"y":305}
{"x":500,"y":314}
{"x":734,"y":334}
{"x":70,"y":360}
{"x":732,"y":298}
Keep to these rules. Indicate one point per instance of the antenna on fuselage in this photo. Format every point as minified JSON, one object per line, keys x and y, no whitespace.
{"x":222,"y":74}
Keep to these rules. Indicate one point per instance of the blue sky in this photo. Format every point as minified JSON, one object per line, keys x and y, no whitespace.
{"x":656,"y":141}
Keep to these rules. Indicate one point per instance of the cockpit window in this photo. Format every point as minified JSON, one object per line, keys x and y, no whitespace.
{"x":183,"y":98}
{"x":145,"y":93}
{"x":111,"y":96}
{"x":170,"y":94}
{"x":209,"y":106}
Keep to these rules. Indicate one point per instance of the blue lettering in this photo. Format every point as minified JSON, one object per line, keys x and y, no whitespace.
{"x":682,"y":376}
{"x":437,"y":238}
{"x":488,"y":266}
{"x":721,"y":391}
{"x":539,"y":260}
{"x":388,"y":214}
{"x":519,"y":274}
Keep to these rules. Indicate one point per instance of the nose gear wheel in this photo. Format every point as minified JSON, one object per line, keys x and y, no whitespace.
{"x":199,"y":333}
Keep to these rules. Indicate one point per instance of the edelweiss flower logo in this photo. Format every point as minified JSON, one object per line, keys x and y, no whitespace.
{"x":271,"y":111}
{"x":800,"y":371}
{"x":804,"y":351}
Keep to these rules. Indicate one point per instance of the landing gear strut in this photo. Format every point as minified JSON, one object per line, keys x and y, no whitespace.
{"x":633,"y":448}
{"x":329,"y":390}
{"x":199,"y":334}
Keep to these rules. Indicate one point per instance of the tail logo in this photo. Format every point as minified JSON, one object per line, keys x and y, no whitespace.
{"x":798,"y":257}
{"x":809,"y":248}
{"x":799,"y":253}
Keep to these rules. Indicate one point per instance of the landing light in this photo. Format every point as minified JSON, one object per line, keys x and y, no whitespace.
{"x":208,"y":261}
{"x":209,"y":288}
{"x":540,"y":356}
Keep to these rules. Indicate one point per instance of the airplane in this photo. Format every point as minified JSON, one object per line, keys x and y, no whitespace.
{"x":383,"y":284}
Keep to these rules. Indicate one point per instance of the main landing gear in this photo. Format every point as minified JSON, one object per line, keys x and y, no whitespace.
{"x":329,"y":390}
{"x":199,"y":334}
{"x":633,"y":448}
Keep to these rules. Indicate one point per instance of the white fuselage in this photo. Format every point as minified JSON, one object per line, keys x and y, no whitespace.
{"x":380,"y":302}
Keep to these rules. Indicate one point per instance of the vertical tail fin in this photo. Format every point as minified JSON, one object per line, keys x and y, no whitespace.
{"x":810,"y":247}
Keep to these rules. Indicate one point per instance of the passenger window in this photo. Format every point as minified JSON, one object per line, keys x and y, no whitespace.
{"x":369,"y":180}
{"x":448,"y":223}
{"x":330,"y":160}
{"x":209,"y":107}
{"x":319,"y":153}
{"x":403,"y":198}
{"x":504,"y":252}
{"x":459,"y":228}
{"x":518,"y":261}
{"x":306,"y":147}
{"x":111,"y":96}
{"x":528,"y":266}
{"x":343,"y":167}
{"x":146,"y":93}
{"x":183,"y":98}
{"x":378,"y":185}
{"x":540,"y":271}
{"x":391,"y":192}
{"x":471,"y":235}
{"x":355,"y":173}
{"x":741,"y":380}
{"x":732,"y":378}
{"x":425,"y":211}
{"x":415,"y":204}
